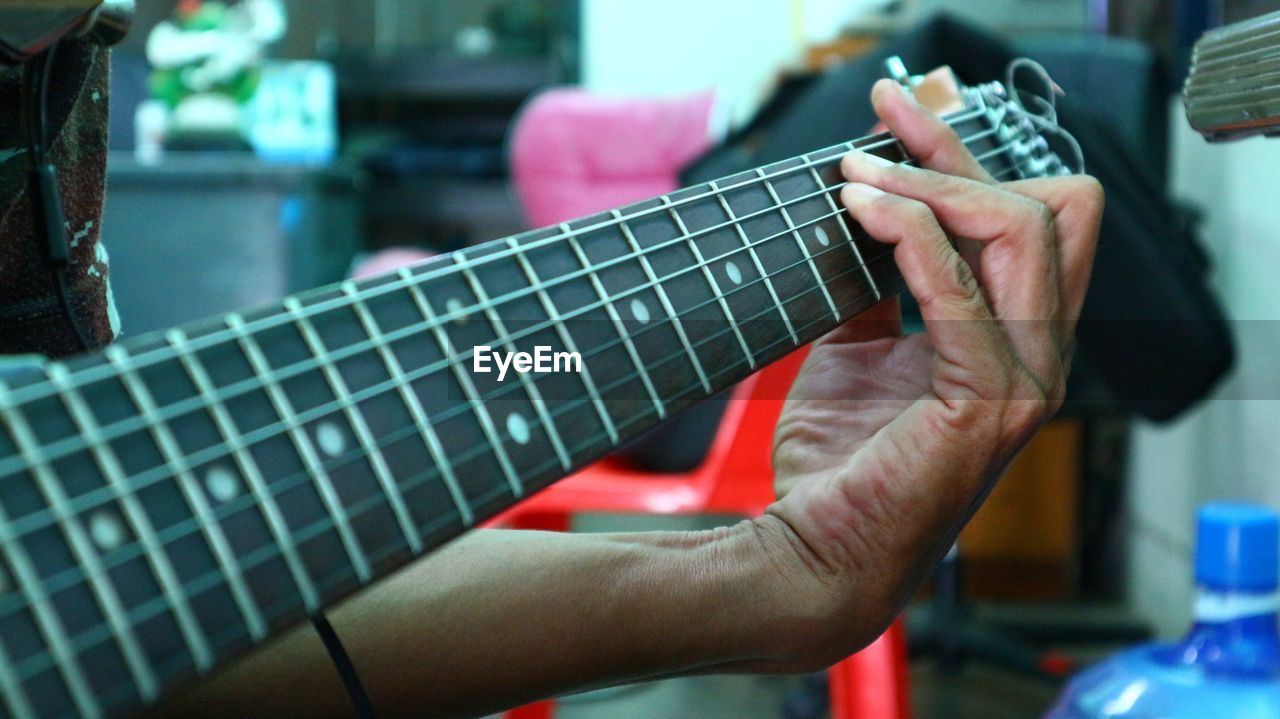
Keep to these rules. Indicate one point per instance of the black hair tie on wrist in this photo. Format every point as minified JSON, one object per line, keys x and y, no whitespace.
{"x":346,"y":670}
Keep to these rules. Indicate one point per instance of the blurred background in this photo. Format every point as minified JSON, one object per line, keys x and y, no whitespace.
{"x":268,"y":146}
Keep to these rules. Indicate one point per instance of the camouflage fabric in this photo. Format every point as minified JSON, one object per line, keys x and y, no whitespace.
{"x":31,"y":314}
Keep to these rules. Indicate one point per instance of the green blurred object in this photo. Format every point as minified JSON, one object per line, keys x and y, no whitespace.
{"x":523,"y":27}
{"x":171,"y":85}
{"x":208,"y":16}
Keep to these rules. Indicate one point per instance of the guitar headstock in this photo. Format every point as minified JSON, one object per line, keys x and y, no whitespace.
{"x":1231,"y":92}
{"x":939,"y":90}
{"x":1033,"y":137}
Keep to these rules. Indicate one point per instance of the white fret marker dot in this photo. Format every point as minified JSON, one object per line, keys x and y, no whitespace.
{"x":106,"y":530}
{"x":518,"y":428}
{"x":454,"y":306}
{"x":330,"y":438}
{"x":222,"y":484}
{"x":735,"y":274}
{"x":821,"y":234}
{"x":640,"y":311}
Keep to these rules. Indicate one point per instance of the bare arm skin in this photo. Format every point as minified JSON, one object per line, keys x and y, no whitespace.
{"x":886,"y":447}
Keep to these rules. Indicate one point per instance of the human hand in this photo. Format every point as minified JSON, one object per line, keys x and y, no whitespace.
{"x":889,"y":443}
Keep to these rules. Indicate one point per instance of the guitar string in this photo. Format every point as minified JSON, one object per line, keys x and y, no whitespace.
{"x":53,"y":451}
{"x":1204,"y":94}
{"x":1235,"y":51}
{"x":1251,"y":49}
{"x":427,"y":476}
{"x":79,"y":644}
{"x":1253,"y":30}
{"x":70,"y":445}
{"x":128,"y":552}
{"x":1236,"y":96}
{"x":148,"y":358}
{"x":141,"y":480}
{"x":91,"y":638}
{"x":124,"y":553}
{"x":79,"y":377}
{"x":88,"y":639}
{"x":677,"y":395}
{"x":82,"y":500}
{"x":83,"y":503}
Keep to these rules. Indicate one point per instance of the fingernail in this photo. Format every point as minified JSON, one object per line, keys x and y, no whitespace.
{"x":860,"y":189}
{"x":897,"y":89}
{"x":860,"y":156}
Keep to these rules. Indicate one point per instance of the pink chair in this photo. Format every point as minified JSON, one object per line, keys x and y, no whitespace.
{"x":573,"y":154}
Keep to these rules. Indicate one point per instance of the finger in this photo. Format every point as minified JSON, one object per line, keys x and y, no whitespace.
{"x":963,"y":206}
{"x":931,"y":141}
{"x":1076,"y":202}
{"x":974,"y":352}
{"x":1019,"y":262}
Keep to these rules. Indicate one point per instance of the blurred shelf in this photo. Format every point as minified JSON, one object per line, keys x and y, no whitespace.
{"x":442,"y":77}
{"x":202,"y":234}
{"x":222,"y":169}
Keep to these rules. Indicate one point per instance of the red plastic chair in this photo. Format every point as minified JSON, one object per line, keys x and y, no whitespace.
{"x":573,"y":153}
{"x":735,"y":478}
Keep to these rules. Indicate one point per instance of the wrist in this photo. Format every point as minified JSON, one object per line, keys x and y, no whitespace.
{"x":779,"y":609}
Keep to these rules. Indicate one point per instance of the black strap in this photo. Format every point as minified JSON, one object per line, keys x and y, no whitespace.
{"x":342,"y":662}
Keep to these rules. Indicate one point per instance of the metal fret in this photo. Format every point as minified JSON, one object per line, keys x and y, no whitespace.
{"x":848,"y":237}
{"x":414,"y":405}
{"x":791,"y":225}
{"x":114,"y":473}
{"x":189,"y":485}
{"x":249,"y":468}
{"x":715,"y":288}
{"x":28,"y":581}
{"x":662,"y":292}
{"x":617,"y":320}
{"x":50,"y":624}
{"x":12,"y":692}
{"x":751,"y":250}
{"x":535,"y":397}
{"x":554,"y":315}
{"x":460,"y":373}
{"x":367,"y":440}
{"x":301,"y":442}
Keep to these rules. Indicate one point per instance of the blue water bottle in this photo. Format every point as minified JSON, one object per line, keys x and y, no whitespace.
{"x":1228,"y":666}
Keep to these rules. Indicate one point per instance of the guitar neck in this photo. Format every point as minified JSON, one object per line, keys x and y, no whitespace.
{"x":182,"y":497}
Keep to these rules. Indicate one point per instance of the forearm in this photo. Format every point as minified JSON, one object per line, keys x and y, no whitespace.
{"x":501,"y":618}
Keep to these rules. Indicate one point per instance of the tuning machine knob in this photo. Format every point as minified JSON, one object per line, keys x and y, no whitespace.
{"x":895,"y":69}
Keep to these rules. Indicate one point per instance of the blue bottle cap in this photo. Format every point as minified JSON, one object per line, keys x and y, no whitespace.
{"x":1238,"y":548}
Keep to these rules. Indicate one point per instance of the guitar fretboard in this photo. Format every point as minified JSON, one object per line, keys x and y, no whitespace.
{"x":181,"y":497}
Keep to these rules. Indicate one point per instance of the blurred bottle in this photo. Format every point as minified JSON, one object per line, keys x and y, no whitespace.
{"x":150,"y":123}
{"x":1228,"y":666}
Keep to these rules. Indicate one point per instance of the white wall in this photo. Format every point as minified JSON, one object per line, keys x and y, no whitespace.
{"x":737,"y":47}
{"x":662,"y":47}
{"x":1229,"y":448}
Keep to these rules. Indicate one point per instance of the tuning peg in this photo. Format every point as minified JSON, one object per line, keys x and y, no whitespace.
{"x":895,"y":69}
